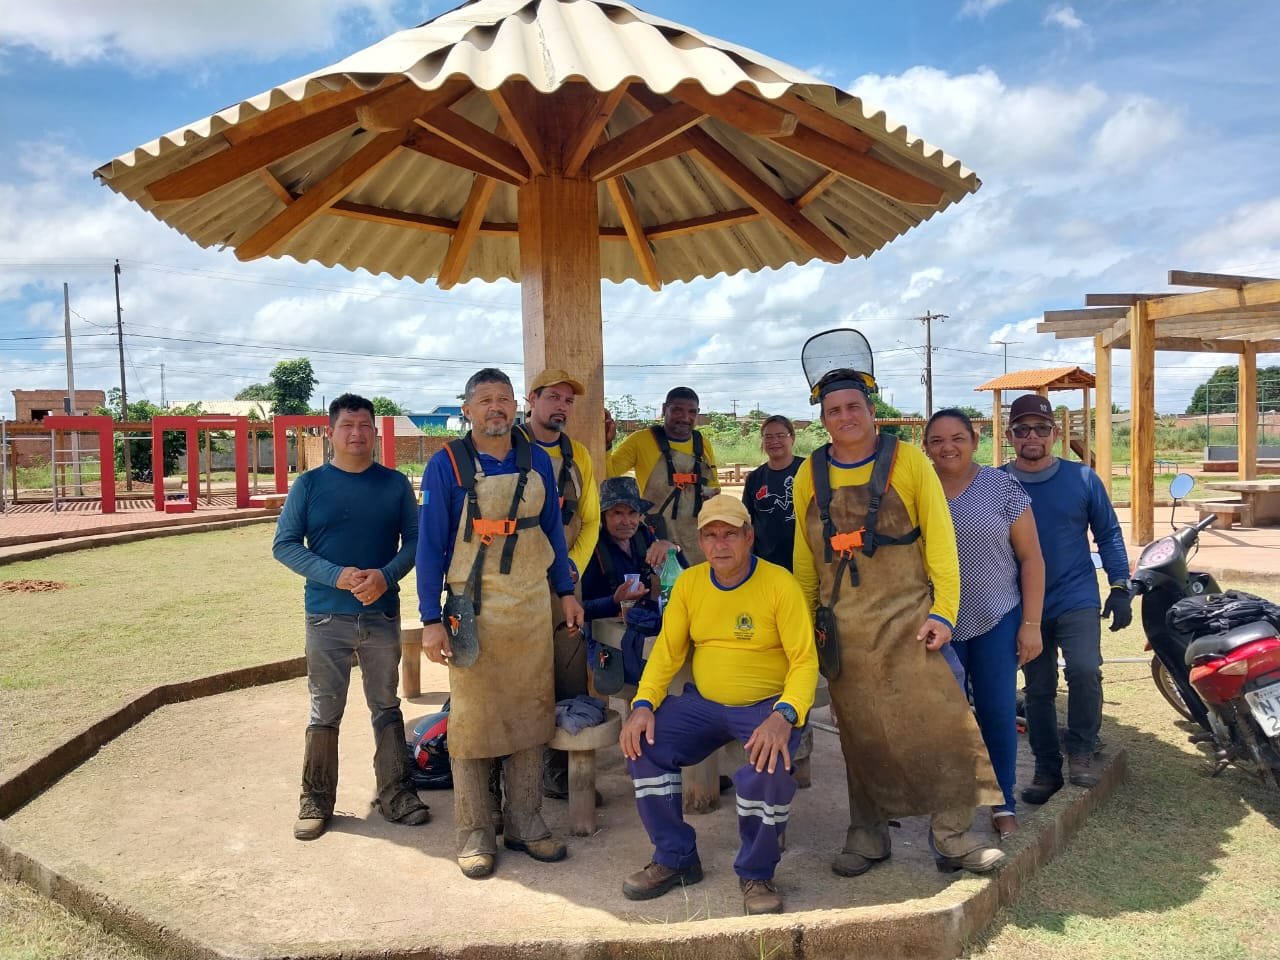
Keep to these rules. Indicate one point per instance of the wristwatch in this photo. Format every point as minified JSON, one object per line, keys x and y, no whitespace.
{"x":788,"y":712}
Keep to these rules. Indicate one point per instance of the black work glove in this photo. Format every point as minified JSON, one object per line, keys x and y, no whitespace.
{"x":1119,"y":607}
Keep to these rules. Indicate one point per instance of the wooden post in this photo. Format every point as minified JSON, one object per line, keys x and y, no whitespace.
{"x":1087,"y":428}
{"x":997,"y":430}
{"x":559,"y":237}
{"x":1102,"y":397}
{"x":1142,"y":450}
{"x":1247,"y":413}
{"x":410,"y":662}
{"x":1065,"y":447}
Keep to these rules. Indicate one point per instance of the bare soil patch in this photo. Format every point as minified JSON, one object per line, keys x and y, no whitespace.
{"x":32,"y":586}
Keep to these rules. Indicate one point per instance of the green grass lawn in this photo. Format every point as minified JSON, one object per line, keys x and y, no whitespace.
{"x":1174,"y":864}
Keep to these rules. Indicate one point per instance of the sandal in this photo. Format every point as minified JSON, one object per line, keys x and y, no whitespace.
{"x":1004,"y":823}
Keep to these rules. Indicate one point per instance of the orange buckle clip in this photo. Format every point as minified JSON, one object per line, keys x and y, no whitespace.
{"x":845,"y":543}
{"x":454,"y":623}
{"x":683,"y":480}
{"x":488,"y":529}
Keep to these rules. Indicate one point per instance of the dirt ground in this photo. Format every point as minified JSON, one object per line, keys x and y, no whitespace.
{"x":188,"y":816}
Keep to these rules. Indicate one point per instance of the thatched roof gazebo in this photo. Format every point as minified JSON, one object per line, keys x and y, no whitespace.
{"x":1042,"y":382}
{"x":1238,"y":315}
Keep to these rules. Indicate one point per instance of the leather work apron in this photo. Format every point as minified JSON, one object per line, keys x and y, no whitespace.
{"x":910,"y":742}
{"x":504,"y":702}
{"x":570,"y":650}
{"x":684,"y":528}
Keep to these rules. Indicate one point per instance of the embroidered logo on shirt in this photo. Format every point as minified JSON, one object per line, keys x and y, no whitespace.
{"x":744,"y":627}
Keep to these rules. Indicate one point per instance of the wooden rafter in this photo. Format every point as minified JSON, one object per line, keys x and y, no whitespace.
{"x":824,"y":123}
{"x":714,"y":221}
{"x":1261,"y":294}
{"x":477,"y":141}
{"x":1225,"y":281}
{"x":1117,"y":299}
{"x":275,"y":186}
{"x":420,"y":141}
{"x":588,"y":136}
{"x":329,"y":190}
{"x":254,"y":153}
{"x":626,"y":207}
{"x":468,"y":229}
{"x":398,"y":218}
{"x":290,"y":113}
{"x":893,"y":182}
{"x":750,"y":115}
{"x":815,"y":189}
{"x":1102,"y":316}
{"x":517,"y":113}
{"x":637,"y":143}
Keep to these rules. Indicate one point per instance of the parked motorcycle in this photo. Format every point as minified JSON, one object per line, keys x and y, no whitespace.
{"x":1217,"y":656}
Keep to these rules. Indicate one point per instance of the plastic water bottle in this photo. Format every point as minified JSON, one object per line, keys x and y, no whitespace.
{"x":667,"y":579}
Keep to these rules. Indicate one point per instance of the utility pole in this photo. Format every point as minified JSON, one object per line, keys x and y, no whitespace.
{"x":162,"y":403}
{"x":735,"y":408}
{"x":927,"y":320}
{"x":124,"y":393}
{"x":71,"y":394}
{"x":1005,"y":344}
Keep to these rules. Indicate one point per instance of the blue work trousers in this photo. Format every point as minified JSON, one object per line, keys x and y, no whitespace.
{"x":687,"y":729}
{"x":1078,"y":634}
{"x":332,"y":641}
{"x":990,"y":662}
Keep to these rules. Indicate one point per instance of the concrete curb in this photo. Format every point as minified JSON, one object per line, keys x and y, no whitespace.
{"x":69,"y":542}
{"x":939,"y":928}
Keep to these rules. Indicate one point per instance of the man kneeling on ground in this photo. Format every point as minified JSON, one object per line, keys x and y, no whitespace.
{"x":754,"y":675}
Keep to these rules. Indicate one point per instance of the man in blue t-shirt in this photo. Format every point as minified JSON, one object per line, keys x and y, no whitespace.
{"x":351,"y":528}
{"x":1068,"y":501}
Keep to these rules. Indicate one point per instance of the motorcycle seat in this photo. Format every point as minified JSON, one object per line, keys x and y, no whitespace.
{"x":1220,"y":644}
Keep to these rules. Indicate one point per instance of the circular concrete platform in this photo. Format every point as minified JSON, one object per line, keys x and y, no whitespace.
{"x":179,"y":831}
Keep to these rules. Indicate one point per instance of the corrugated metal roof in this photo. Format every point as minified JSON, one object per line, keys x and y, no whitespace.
{"x":555,"y":45}
{"x":1055,"y":378}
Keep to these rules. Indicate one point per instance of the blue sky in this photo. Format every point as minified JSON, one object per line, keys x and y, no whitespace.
{"x":1115,"y":141}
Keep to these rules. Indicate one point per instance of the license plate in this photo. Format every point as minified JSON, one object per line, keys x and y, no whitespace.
{"x":1265,"y":704}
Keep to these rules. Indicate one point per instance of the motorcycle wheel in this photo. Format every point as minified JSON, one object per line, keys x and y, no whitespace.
{"x":1265,"y":760}
{"x":1168,"y":689}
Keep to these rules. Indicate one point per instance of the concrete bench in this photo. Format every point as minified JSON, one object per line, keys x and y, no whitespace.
{"x":269,"y":501}
{"x":1230,"y":512}
{"x":582,"y":747}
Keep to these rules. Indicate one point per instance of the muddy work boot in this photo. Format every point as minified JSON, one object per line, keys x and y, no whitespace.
{"x":655,"y":880}
{"x":319,"y":782}
{"x":760,"y":896}
{"x":1043,"y":786}
{"x":475,"y":853}
{"x":1083,"y":769}
{"x":864,"y":847}
{"x":395,"y":800}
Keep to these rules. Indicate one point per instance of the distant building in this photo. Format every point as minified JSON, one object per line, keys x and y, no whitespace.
{"x":253,"y":409}
{"x":448,"y":417}
{"x":32,"y":406}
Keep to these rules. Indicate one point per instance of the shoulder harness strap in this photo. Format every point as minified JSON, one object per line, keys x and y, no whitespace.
{"x":568,"y":495}
{"x":679,"y":481}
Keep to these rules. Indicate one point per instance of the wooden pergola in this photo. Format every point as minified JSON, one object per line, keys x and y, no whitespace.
{"x":1041,"y":382}
{"x":1237,"y":315}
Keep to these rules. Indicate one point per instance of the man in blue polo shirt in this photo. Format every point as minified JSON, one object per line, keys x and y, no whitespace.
{"x":1068,"y":500}
{"x":351,"y":528}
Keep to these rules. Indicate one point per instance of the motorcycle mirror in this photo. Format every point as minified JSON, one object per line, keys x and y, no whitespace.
{"x":1181,"y":485}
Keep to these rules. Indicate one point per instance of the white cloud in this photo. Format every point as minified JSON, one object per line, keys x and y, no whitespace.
{"x":980,"y":8}
{"x":1138,"y":129}
{"x":1065,"y":17}
{"x":146,"y":32}
{"x":1246,"y":240}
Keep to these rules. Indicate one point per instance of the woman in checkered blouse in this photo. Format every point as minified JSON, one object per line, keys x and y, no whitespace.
{"x":1001,"y":589}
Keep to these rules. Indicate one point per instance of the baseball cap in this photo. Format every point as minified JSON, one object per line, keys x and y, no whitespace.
{"x":726,"y":509}
{"x":1031,"y":405}
{"x":554,"y":375}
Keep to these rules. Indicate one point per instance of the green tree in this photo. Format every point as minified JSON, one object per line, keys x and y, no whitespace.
{"x":1220,"y":392}
{"x":257,"y":391}
{"x":385,"y":407}
{"x":292,"y":383}
{"x":144,"y":411}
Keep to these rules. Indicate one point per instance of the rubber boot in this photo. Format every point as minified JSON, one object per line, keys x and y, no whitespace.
{"x":319,"y":782}
{"x":395,"y":800}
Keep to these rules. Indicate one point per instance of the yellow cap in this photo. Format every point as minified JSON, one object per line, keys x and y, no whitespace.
{"x":554,"y":375}
{"x":725,"y":509}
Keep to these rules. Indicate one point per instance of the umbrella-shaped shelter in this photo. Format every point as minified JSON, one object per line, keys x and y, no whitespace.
{"x":553,"y":142}
{"x":1041,"y":382}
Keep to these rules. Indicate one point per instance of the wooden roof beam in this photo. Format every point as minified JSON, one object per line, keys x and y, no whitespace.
{"x":1265,"y":293}
{"x":752,"y":116}
{"x":626,"y":207}
{"x":824,"y":123}
{"x":464,"y":237}
{"x":714,"y":221}
{"x":815,"y":189}
{"x":518,"y":116}
{"x":395,"y":218}
{"x":589,"y":134}
{"x":1224,"y":281}
{"x":893,"y":182}
{"x":476,"y":140}
{"x":324,"y":194}
{"x":1101,"y":314}
{"x":1117,"y":299}
{"x":403,"y":101}
{"x":620,"y":155}
{"x":420,"y":141}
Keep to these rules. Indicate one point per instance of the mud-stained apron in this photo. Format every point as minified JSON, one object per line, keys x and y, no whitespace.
{"x":570,"y":650}
{"x":505,"y":701}
{"x":910,"y":742}
{"x":684,"y":528}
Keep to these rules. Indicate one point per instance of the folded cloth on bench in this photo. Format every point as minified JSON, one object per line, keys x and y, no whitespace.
{"x":580,"y":712}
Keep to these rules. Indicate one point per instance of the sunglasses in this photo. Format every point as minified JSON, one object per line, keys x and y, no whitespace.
{"x":768,"y":437}
{"x":1023,"y":430}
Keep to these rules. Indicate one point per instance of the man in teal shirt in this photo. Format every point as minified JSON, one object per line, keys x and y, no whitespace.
{"x":350,"y":527}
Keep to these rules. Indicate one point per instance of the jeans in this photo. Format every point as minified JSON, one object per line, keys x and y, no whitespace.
{"x":332,"y":640}
{"x":1078,"y":634}
{"x":991,"y":663}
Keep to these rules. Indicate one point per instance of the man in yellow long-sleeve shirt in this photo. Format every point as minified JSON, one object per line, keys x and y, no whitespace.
{"x":754,"y":676}
{"x":881,"y":557}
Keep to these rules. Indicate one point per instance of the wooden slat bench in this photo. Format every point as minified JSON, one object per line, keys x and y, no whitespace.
{"x":1230,"y":512}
